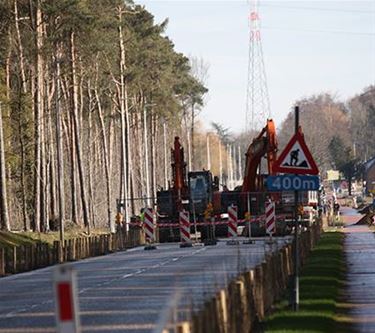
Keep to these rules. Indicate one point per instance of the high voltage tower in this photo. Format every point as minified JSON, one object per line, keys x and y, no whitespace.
{"x":257,"y":100}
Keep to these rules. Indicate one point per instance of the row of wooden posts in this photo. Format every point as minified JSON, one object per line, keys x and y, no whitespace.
{"x":24,"y":258}
{"x":243,"y":304}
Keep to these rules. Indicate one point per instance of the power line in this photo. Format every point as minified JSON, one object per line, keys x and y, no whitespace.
{"x":341,"y":32}
{"x":351,"y":11}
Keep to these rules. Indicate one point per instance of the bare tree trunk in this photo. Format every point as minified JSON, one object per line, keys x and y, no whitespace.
{"x":124,"y":116}
{"x":38,"y":114}
{"x":4,"y":217}
{"x":90,"y":162}
{"x":73,"y":178}
{"x":51,"y":158}
{"x":145,"y":156}
{"x":43,"y":172}
{"x":239,"y":164}
{"x":59,"y":152}
{"x":220,"y":165}
{"x":165,"y":155}
{"x":23,"y":176}
{"x":208,"y":152}
{"x":106,"y":160}
{"x":189,"y":151}
{"x":153,"y":153}
{"x":141,"y":157}
{"x":7,"y":70}
{"x":192,"y":130}
{"x":20,"y":48}
{"x":228,"y":167}
{"x":129,"y":155}
{"x":81,"y":173}
{"x":132,"y":165}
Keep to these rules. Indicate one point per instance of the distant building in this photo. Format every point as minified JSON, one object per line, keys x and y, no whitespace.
{"x":369,"y":175}
{"x":333,"y":175}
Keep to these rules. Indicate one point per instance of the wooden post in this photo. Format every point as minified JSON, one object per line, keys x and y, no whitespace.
{"x":65,"y":250}
{"x":2,"y":261}
{"x":13,"y":262}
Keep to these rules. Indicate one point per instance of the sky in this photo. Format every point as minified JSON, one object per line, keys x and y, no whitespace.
{"x":309,"y":47}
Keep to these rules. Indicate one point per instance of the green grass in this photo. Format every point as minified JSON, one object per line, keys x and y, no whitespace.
{"x":8,"y":239}
{"x":321,"y":282}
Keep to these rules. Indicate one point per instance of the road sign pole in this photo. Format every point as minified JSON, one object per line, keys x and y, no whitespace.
{"x":296,"y":254}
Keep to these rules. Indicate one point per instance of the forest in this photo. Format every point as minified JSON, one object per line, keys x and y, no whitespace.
{"x":90,"y":91}
{"x":92,"y":94}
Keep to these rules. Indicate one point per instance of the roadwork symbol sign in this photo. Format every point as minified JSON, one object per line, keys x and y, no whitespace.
{"x":296,"y":158}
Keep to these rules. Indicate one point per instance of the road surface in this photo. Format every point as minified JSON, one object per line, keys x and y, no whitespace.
{"x":360,"y":289}
{"x":132,"y":291}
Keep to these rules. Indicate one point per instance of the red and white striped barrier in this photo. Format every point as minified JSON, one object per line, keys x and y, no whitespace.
{"x":67,"y":318}
{"x":270,"y":218}
{"x":185,"y":228}
{"x":149,"y":225}
{"x":254,"y":219}
{"x":232,"y":221}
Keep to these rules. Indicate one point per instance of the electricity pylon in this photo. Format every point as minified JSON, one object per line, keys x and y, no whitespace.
{"x":257,"y":101}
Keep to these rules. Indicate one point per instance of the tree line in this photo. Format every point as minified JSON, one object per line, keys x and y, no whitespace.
{"x":92,"y":93}
{"x":340,"y":134}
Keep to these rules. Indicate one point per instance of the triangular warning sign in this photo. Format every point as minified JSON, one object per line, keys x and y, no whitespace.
{"x":296,"y":158}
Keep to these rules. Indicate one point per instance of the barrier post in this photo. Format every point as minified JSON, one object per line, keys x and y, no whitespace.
{"x":67,"y":316}
{"x":185,"y":229}
{"x":149,"y":225}
{"x":232,"y":225}
{"x":270,"y":219}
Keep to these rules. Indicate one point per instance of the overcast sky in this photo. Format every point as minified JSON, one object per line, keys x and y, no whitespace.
{"x":309,"y":47}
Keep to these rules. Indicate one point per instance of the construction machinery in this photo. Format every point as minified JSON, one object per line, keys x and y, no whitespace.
{"x":250,"y":197}
{"x":198,"y":191}
{"x":191,"y":191}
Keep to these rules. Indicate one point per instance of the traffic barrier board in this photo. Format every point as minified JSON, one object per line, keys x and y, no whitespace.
{"x":232,"y":221}
{"x":185,"y":229}
{"x":232,"y":225}
{"x":67,"y":316}
{"x":270,"y":218}
{"x":149,"y":225}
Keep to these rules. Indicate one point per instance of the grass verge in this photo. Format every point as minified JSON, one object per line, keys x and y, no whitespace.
{"x":8,"y":239}
{"x":321,"y":284}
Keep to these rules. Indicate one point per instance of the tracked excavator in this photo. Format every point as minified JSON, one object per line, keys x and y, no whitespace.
{"x":192,"y":191}
{"x":251,"y":195}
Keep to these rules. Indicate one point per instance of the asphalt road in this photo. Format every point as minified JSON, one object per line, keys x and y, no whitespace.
{"x":133,"y":291}
{"x":360,"y":281}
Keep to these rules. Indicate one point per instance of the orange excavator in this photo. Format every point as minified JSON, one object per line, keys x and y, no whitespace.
{"x":253,"y":191}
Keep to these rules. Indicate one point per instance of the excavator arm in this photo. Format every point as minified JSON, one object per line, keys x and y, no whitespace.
{"x":179,"y":173}
{"x":265,"y":144}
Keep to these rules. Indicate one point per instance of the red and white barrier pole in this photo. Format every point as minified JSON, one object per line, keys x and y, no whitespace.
{"x":270,"y":218}
{"x":149,"y":225}
{"x":232,"y":225}
{"x":67,"y":312}
{"x":185,"y":229}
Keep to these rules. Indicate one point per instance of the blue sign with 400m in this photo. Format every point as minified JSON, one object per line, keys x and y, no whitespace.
{"x":293,"y":183}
